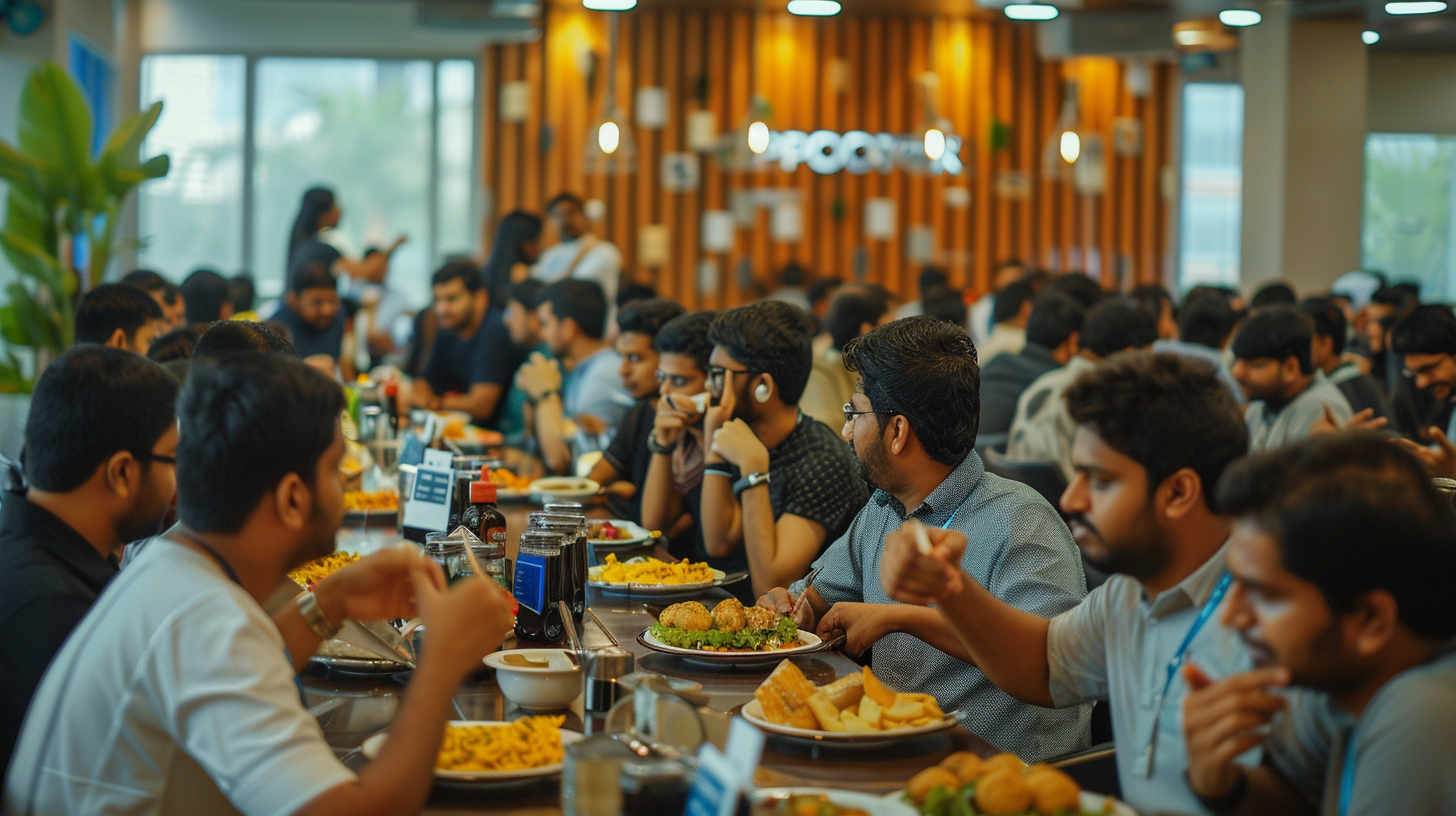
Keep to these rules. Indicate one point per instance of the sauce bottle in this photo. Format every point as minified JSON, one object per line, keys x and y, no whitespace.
{"x":488,"y":524}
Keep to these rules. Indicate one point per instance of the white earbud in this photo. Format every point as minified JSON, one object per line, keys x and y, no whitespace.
{"x":761,"y":393}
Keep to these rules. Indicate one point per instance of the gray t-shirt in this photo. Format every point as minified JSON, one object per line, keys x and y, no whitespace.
{"x":1270,"y":429}
{"x":1404,"y":742}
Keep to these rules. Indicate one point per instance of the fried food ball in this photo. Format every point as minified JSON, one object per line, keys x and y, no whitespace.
{"x":728,"y":615}
{"x":759,"y":618}
{"x":690,"y":616}
{"x":1052,"y":790}
{"x":965,"y":765}
{"x":923,"y":783}
{"x":1003,"y":761}
{"x":1003,"y":792}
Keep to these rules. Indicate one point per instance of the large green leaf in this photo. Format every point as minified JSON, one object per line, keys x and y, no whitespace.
{"x":30,"y":258}
{"x":120,"y":180}
{"x":29,"y":217}
{"x":37,"y":325}
{"x":55,"y":125}
{"x":18,"y":168}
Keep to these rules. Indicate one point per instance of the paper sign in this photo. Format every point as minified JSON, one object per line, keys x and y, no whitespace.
{"x":708,"y":276}
{"x":957,"y":198}
{"x":787,"y":220}
{"x":654,"y":249}
{"x":702,"y":130}
{"x":652,"y":108}
{"x":920,"y":244}
{"x":716,"y":785}
{"x":879,"y":218}
{"x":717,"y":231}
{"x":744,"y":748}
{"x":515,"y":102}
{"x":680,"y":172}
{"x":428,"y":505}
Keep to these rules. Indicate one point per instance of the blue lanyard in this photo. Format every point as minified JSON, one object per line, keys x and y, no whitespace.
{"x":1347,"y":777}
{"x":1207,"y":612}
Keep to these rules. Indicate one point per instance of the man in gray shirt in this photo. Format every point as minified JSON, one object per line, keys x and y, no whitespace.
{"x":1343,"y":555}
{"x":913,"y":428}
{"x":1152,"y":431}
{"x":1287,"y":395}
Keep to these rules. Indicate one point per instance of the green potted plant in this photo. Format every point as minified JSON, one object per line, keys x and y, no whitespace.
{"x":60,"y":194}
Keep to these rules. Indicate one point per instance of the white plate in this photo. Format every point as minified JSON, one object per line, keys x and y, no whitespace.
{"x":869,"y":803}
{"x":753,"y":712}
{"x":639,"y":534}
{"x":1090,"y":803}
{"x":373,"y":744}
{"x":651,"y":589}
{"x":808,"y":642}
{"x":563,"y":487}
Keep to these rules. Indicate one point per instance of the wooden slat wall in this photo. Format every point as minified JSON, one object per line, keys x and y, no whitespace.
{"x":839,"y":74}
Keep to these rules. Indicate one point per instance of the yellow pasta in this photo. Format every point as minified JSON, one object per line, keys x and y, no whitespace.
{"x":382,"y":500}
{"x":314,"y":571}
{"x":530,"y":742}
{"x":653,"y":571}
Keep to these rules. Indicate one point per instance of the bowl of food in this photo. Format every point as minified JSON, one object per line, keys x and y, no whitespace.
{"x":536,"y":679}
{"x":554,"y":488}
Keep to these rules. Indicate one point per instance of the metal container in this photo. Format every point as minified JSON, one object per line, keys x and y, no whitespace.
{"x":538,"y":586}
{"x":603,"y":669}
{"x":572,"y":529}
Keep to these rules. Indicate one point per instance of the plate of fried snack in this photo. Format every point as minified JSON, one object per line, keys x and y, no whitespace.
{"x":493,"y":752}
{"x":371,"y":502}
{"x":854,"y":708}
{"x":964,"y":784}
{"x":318,"y":569}
{"x":509,"y":486}
{"x":731,"y":633}
{"x":648,"y":575}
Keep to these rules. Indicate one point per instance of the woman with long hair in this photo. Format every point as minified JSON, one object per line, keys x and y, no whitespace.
{"x":320,"y":211}
{"x":516,"y":247}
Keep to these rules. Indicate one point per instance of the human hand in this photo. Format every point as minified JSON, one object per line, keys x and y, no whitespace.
{"x":781,"y":601}
{"x":715,"y":416}
{"x":399,"y":241}
{"x":376,"y":587}
{"x":1441,"y":460}
{"x":1363,"y":421}
{"x":591,"y":424}
{"x":739,"y":446}
{"x":538,"y":376}
{"x":1223,"y":719}
{"x":862,"y":624}
{"x":914,"y":577}
{"x":668,"y":425}
{"x":465,"y":622}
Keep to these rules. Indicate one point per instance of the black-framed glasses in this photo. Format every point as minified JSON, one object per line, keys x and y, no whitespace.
{"x":718,"y":374}
{"x":850,"y":413}
{"x":156,"y":457}
{"x":1425,"y":370}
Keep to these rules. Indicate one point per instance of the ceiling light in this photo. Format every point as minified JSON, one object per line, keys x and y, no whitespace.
{"x":1370,"y":37}
{"x":758,"y":137}
{"x":1031,"y":11}
{"x":934,"y":144}
{"x":814,"y":8}
{"x":609,"y":136}
{"x":1239,"y":18}
{"x":1191,"y":36}
{"x":1071,"y":146}
{"x":609,"y":5}
{"x":1417,"y":7}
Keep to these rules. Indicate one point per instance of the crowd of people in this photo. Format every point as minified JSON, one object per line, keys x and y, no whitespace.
{"x":1256,"y":481}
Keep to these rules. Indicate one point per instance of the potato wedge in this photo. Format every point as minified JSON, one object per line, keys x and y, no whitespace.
{"x":854,"y":725}
{"x":877,"y":690}
{"x":905,"y":709}
{"x":916,"y":723}
{"x":825,"y":712}
{"x":870,"y":711}
{"x":846,"y":692}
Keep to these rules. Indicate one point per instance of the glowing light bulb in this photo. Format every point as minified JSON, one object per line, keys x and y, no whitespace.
{"x":1031,"y":11}
{"x":814,"y":8}
{"x":1239,"y":18}
{"x":934,"y":144}
{"x":1071,"y":146}
{"x":1419,"y":7}
{"x":1370,"y":37}
{"x":758,"y":137}
{"x":609,"y":137}
{"x":609,"y":5}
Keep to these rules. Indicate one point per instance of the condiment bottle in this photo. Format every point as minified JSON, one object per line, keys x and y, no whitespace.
{"x":538,"y":586}
{"x":485,"y":520}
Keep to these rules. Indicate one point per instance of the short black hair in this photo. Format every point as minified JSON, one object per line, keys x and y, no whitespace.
{"x":1426,"y":330}
{"x":527,"y":293}
{"x":793,"y":274}
{"x":1054,"y":318}
{"x":823,"y":288}
{"x":634,"y":291}
{"x":1351,"y":514}
{"x":930,"y":278}
{"x":1273,"y":294}
{"x":1410,"y":290}
{"x":944,"y":304}
{"x":88,"y":404}
{"x":150,"y":281}
{"x":204,"y":293}
{"x":177,"y":344}
{"x":687,"y":335}
{"x":1327,"y":320}
{"x":1166,"y":412}
{"x":1152,"y":296}
{"x":1391,"y":296}
{"x":1207,"y":319}
{"x":226,"y":337}
{"x":581,"y":300}
{"x":1081,"y":287}
{"x":246,"y":421}
{"x":851,"y":309}
{"x":1277,"y":333}
{"x":113,"y":306}
{"x":647,"y":316}
{"x":565,"y":198}
{"x":461,"y":270}
{"x":1228,"y":293}
{"x":313,"y":275}
{"x":772,"y":337}
{"x":924,"y":370}
{"x":245,"y":292}
{"x":1117,"y":324}
{"x":1008,"y":301}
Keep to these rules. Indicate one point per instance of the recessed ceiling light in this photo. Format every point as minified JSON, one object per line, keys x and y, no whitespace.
{"x":610,"y":5}
{"x":1239,"y":18}
{"x":814,"y":8}
{"x":1031,"y":11}
{"x":1370,"y":37}
{"x":1416,"y":7}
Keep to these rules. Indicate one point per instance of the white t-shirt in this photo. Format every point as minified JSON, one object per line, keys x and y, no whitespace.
{"x":602,"y":263}
{"x":172,"y":696}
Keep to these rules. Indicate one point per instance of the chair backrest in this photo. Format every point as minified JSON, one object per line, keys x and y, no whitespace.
{"x":1040,"y":475}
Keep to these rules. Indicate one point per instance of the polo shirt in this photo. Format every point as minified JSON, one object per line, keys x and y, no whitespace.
{"x":594,"y":386}
{"x":1272,"y":427}
{"x":174,"y":697}
{"x":1116,"y":646}
{"x":487,"y":356}
{"x":49,"y":576}
{"x":1005,"y":379}
{"x":1018,"y":549}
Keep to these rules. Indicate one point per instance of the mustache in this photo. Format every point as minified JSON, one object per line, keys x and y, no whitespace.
{"x":1079,"y":519}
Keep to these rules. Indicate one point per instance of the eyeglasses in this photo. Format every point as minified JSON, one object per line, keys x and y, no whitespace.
{"x":1425,"y":370}
{"x":850,"y":413}
{"x":718,"y":374}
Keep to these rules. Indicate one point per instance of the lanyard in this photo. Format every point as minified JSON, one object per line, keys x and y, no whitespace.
{"x":1347,"y":777}
{"x":1207,"y":612}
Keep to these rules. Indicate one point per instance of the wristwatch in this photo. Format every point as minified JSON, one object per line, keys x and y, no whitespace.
{"x":314,"y":617}
{"x":751,"y":480}
{"x":662,"y":450}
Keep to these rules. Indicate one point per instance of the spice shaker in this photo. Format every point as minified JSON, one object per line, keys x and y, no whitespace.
{"x":603,"y":668}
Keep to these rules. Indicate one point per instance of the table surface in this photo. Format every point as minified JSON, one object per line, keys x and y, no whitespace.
{"x":353,"y":707}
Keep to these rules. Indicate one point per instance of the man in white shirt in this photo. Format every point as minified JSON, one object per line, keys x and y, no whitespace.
{"x":176,"y":693}
{"x":1012,"y":310}
{"x":978,"y":317}
{"x":1287,"y":395}
{"x":580,"y":254}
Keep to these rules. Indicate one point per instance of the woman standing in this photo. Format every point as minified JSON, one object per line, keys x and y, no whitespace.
{"x":516,"y":247}
{"x":319,"y":211}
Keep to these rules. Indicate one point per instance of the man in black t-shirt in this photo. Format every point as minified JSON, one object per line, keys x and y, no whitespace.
{"x":623,"y":468}
{"x":473,"y":360}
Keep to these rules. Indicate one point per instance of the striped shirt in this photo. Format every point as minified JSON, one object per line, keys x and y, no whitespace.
{"x":1019,"y":549}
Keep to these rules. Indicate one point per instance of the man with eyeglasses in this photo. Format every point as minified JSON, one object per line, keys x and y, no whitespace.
{"x":100,"y":447}
{"x":1426,"y":341}
{"x":912,"y":424}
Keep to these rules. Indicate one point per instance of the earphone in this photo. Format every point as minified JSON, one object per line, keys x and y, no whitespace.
{"x":761,"y":393}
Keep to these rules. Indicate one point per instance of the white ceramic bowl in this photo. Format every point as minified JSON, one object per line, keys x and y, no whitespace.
{"x":537,"y":689}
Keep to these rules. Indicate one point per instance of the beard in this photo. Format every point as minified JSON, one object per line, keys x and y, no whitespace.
{"x":320,"y":538}
{"x":145,"y":519}
{"x":1142,"y":555}
{"x":1321,"y":665}
{"x":874,"y":467}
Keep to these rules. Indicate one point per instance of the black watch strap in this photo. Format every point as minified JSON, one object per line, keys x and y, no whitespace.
{"x":663,"y":450}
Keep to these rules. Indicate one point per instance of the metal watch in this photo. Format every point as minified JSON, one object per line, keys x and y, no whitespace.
{"x":314,"y":618}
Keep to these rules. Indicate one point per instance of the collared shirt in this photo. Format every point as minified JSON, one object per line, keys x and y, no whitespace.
{"x":1269,"y":429}
{"x":49,"y":576}
{"x":1116,"y":646}
{"x":1005,"y":379}
{"x":1004,"y":339}
{"x":1019,"y":550}
{"x":1043,"y":427}
{"x":1212,"y":356}
{"x":1404,"y":744}
{"x":594,"y":386}
{"x":601,"y":262}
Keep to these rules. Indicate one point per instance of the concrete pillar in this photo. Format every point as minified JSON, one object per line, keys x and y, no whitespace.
{"x":1304,"y":147}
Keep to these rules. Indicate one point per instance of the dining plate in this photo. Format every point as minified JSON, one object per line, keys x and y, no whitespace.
{"x":373,"y":744}
{"x":1090,"y":803}
{"x":753,"y":712}
{"x":808,"y":643}
{"x":562,"y":487}
{"x":639,"y":534}
{"x":867,"y":802}
{"x":651,"y":589}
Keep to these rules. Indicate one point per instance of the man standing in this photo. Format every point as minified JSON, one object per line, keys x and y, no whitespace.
{"x":473,"y":359}
{"x":913,"y":429}
{"x":1154,"y":433}
{"x":1342,"y":557}
{"x":119,"y":315}
{"x":1287,"y":396}
{"x":579,"y":254}
{"x":1053,"y":334}
{"x":99,"y":448}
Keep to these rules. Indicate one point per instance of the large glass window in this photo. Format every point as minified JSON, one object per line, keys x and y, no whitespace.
{"x":1212,"y":171}
{"x":1410,"y":182}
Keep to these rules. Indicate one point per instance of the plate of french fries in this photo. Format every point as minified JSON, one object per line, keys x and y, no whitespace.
{"x":652,"y":575}
{"x":491,"y":752}
{"x":854,"y":708}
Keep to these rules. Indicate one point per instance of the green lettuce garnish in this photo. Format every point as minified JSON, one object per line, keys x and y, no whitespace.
{"x":786,"y":632}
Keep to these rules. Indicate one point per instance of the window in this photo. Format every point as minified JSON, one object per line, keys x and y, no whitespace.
{"x":394,"y":140}
{"x":1406,"y":232}
{"x":1209,"y":208}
